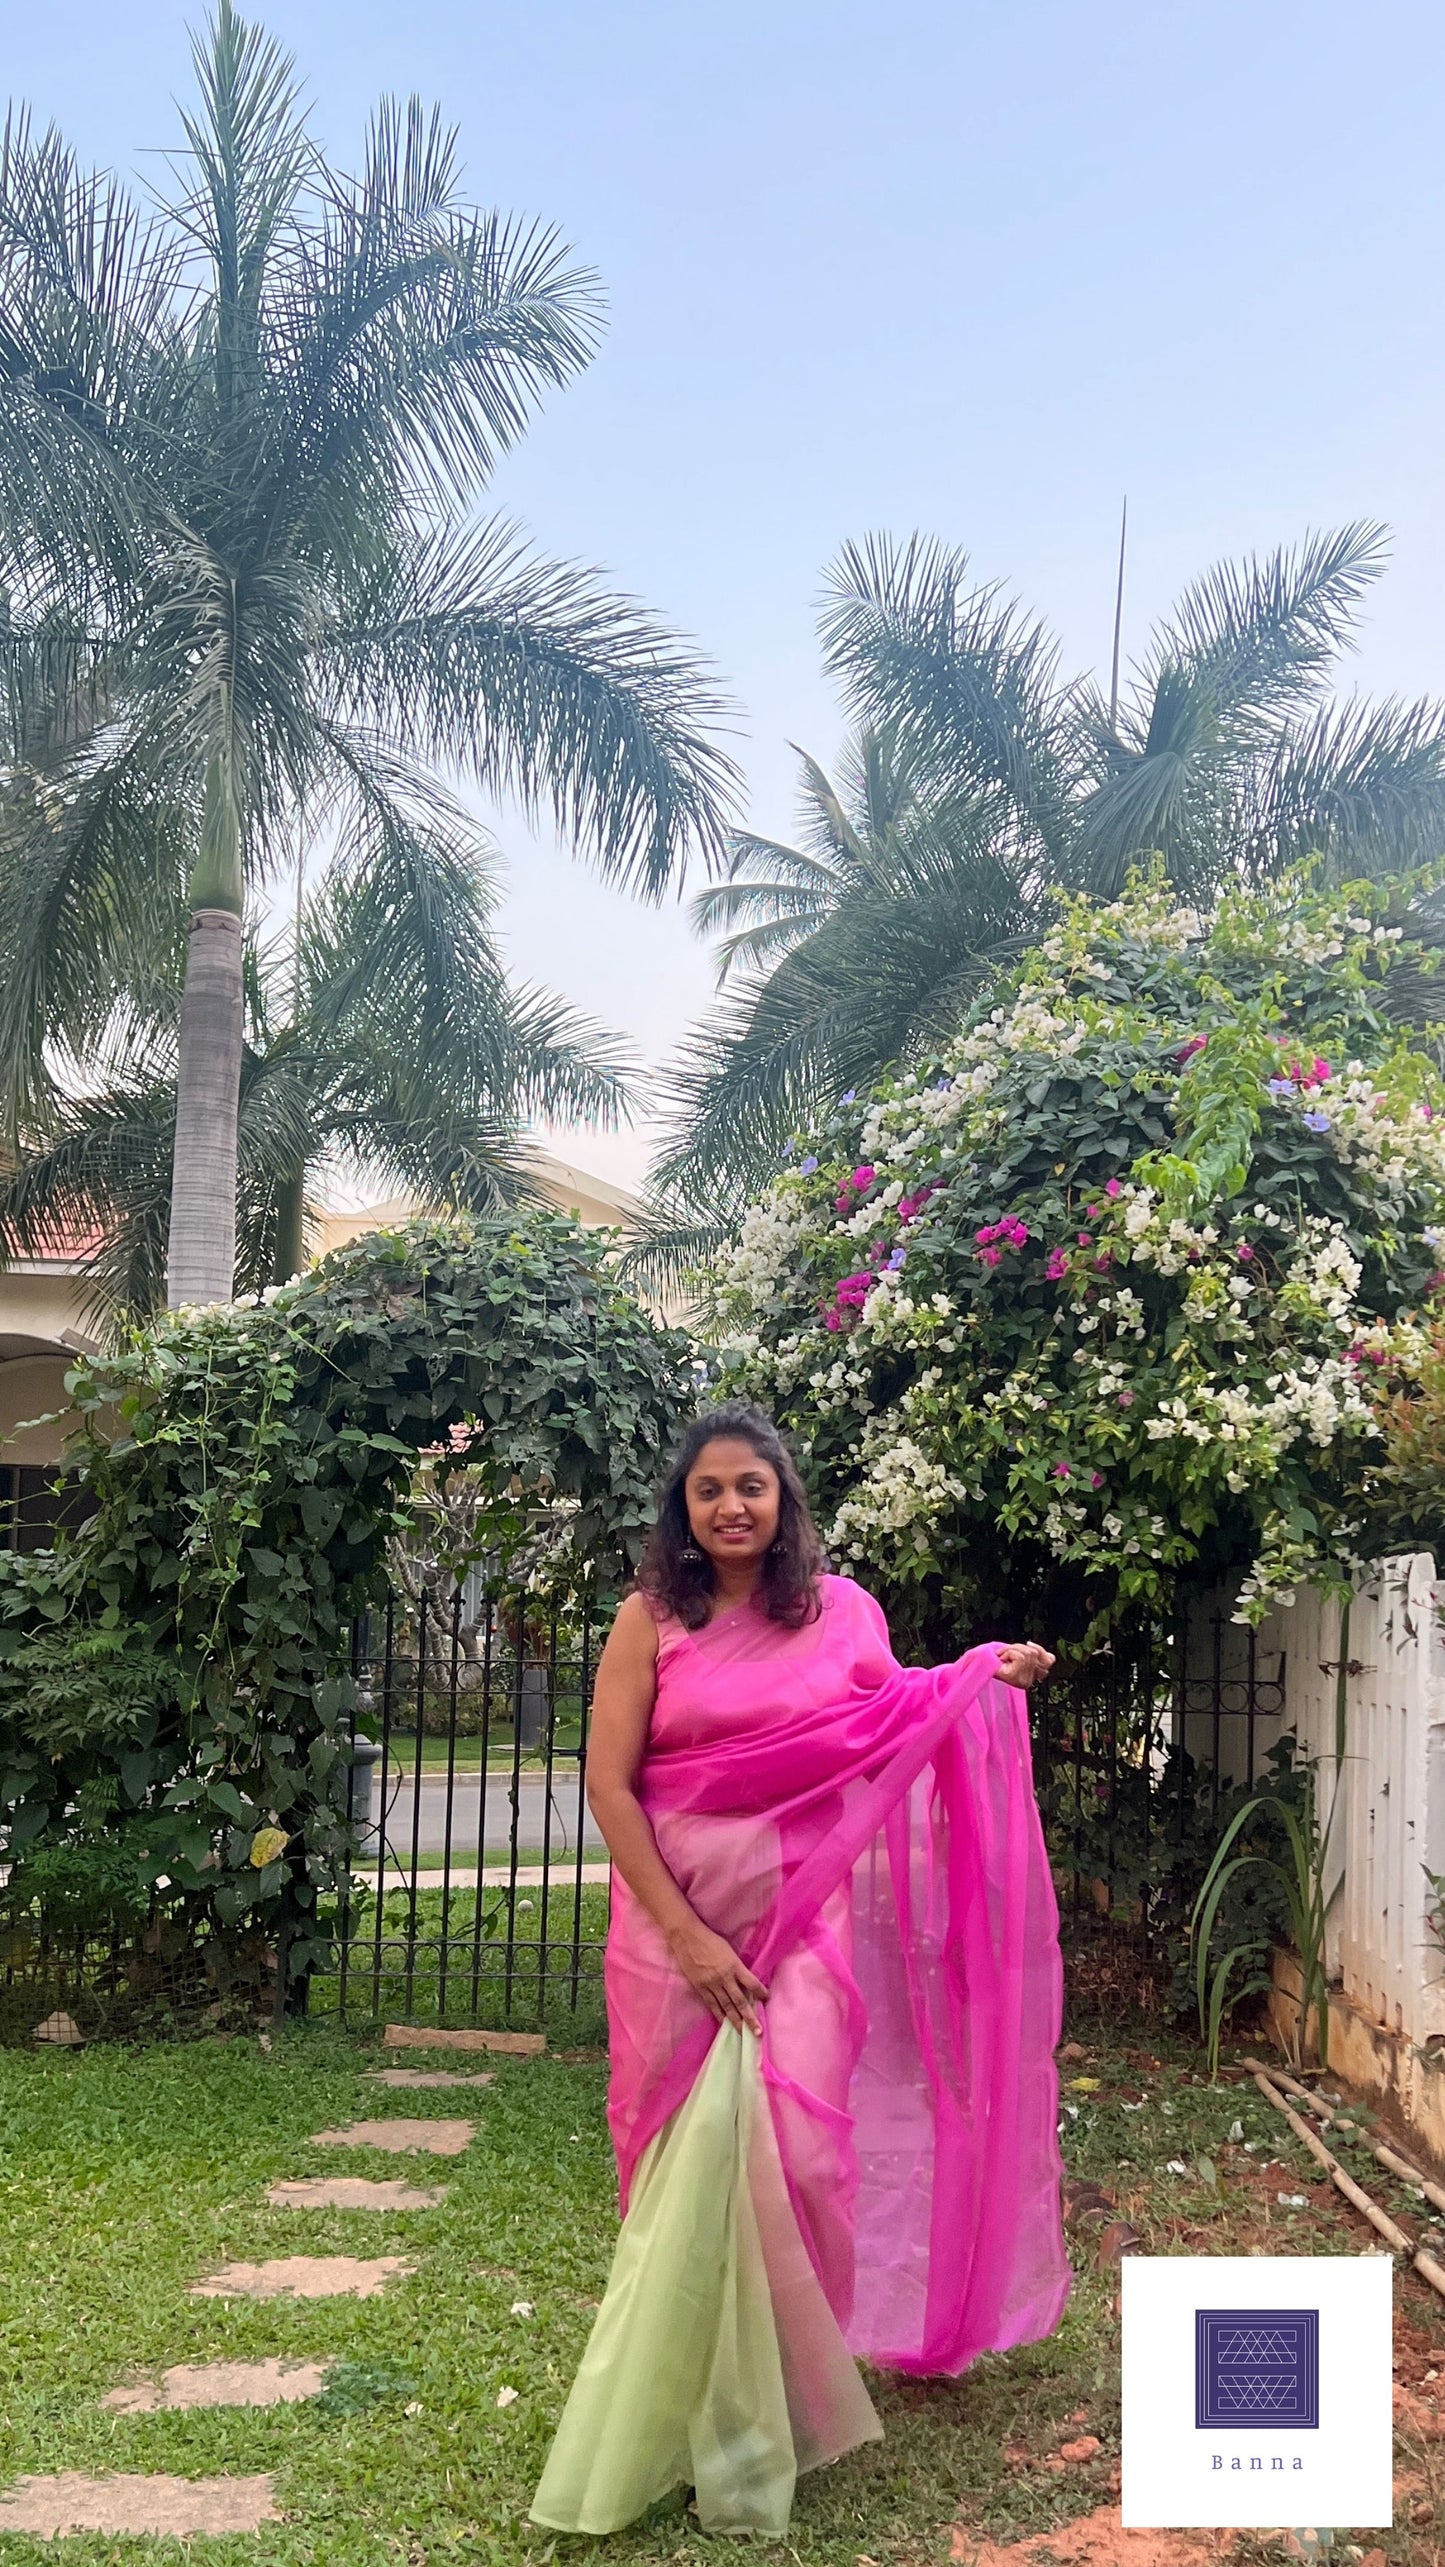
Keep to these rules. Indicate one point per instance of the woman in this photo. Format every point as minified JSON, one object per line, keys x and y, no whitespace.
{"x":833,"y":1986}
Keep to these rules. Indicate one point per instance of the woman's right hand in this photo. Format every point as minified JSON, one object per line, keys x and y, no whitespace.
{"x":727,"y":1987}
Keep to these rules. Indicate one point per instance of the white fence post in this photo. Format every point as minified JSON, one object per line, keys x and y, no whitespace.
{"x":1389,"y":1828}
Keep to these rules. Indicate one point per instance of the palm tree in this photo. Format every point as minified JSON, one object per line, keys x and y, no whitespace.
{"x":862,"y":945}
{"x":860,"y":948}
{"x":241,"y":441}
{"x":382,"y":1038}
{"x":1225,"y":757}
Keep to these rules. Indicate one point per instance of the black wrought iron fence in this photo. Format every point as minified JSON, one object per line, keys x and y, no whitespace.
{"x":480,"y":1893}
{"x":1136,"y":1754}
{"x":482,"y":1890}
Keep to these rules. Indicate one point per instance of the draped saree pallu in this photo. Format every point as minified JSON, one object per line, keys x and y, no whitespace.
{"x":878,"y":2176}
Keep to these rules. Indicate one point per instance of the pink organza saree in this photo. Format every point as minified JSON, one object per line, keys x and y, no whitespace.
{"x":879,"y":2175}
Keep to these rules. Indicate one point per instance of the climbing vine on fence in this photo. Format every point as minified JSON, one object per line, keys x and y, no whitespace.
{"x":178,"y":1668}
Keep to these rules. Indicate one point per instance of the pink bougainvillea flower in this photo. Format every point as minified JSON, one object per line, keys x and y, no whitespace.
{"x":1103,"y":1263}
{"x":1354,"y":1354}
{"x":1318,"y":1070}
{"x":1058,"y":1265}
{"x":833,"y":1322}
{"x":1244,"y":1252}
{"x":912,"y":1204}
{"x":1096,"y":1479}
{"x":853,"y":1291}
{"x":1093,"y":1212}
{"x":989,"y":1256}
{"x":1061,"y":1471}
{"x":863,"y":1178}
{"x":1126,"y":1399}
{"x":1083,"y":1238}
{"x":1187,"y":1051}
{"x":1113,"y":1189}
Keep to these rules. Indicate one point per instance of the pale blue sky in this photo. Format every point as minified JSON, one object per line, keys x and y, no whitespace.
{"x":976,"y":269}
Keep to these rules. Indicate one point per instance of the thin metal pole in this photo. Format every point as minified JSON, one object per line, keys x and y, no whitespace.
{"x":1118,"y":623}
{"x":585,"y":1709}
{"x":550,"y":1717}
{"x":411,"y":1910}
{"x":382,"y":1813}
{"x":456,"y":1643}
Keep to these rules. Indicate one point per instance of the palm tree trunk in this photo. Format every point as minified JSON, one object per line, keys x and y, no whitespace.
{"x":201,"y":1266}
{"x":290,"y":1227}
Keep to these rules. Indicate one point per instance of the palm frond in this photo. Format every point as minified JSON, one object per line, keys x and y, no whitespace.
{"x":964,"y":681}
{"x":670,"y":1254}
{"x":93,"y":864}
{"x":1362,"y":785}
{"x":1262,"y":635}
{"x":531,"y":676}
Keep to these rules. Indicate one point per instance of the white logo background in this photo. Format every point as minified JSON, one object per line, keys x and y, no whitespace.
{"x":1171,"y":2481}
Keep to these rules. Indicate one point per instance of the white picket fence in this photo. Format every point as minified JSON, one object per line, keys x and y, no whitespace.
{"x":1388,"y":1829}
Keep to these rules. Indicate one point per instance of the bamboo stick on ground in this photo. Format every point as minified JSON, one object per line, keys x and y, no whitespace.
{"x":1425,"y":2265}
{"x":1387,"y":2156}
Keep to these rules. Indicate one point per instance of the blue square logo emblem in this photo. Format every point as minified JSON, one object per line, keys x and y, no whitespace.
{"x":1256,"y":2367}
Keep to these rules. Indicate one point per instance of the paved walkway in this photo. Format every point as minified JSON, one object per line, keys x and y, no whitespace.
{"x":122,"y":2504}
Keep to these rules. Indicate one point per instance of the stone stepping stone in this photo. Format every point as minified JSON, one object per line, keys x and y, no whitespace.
{"x":178,"y":2507}
{"x":354,"y":2192}
{"x":303,"y":2277}
{"x":271,"y":2383}
{"x":397,"y":2138}
{"x":414,"y":2077}
{"x":420,"y":2036}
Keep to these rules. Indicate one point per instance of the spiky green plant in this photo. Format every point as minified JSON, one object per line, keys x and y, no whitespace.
{"x":1300,"y":1876}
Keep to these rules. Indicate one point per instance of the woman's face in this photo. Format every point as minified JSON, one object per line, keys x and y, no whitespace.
{"x":732,"y":1503}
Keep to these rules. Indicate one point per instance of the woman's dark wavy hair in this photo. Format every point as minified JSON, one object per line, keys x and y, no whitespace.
{"x":788,"y":1590}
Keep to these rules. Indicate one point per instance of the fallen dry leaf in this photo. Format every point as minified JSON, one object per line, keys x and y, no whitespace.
{"x":1084,"y":2449}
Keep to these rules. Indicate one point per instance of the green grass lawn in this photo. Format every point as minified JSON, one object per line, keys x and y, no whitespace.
{"x":126,"y":2175}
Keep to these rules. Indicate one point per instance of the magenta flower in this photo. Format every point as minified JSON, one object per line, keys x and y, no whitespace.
{"x":1061,"y":1471}
{"x":1188,"y":1050}
{"x":863,"y":1178}
{"x":1113,"y":1189}
{"x":1058,"y":1265}
{"x":1126,"y":1399}
{"x":989,"y":1256}
{"x":1083,"y":1238}
{"x":1244,"y":1252}
{"x":1096,"y":1480}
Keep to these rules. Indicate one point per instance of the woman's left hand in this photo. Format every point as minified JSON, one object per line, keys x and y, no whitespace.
{"x":1024,"y":1663}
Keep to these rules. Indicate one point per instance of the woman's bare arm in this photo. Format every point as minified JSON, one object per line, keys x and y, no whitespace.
{"x":621,"y":1709}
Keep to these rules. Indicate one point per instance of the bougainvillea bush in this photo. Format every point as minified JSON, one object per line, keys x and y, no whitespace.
{"x":1102,"y":1298}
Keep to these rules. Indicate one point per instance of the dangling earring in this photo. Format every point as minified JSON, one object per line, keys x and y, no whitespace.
{"x":690,"y":1553}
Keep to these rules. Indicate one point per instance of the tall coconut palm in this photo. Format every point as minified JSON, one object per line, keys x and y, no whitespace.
{"x":382,"y":1040}
{"x":242,"y":438}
